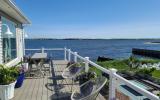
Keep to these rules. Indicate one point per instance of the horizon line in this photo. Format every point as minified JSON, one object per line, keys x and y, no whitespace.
{"x":89,"y":38}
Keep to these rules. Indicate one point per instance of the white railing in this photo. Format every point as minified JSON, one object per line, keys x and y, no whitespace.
{"x":50,"y":49}
{"x":114,"y":78}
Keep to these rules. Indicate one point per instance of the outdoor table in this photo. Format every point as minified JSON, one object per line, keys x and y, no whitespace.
{"x":38,"y":59}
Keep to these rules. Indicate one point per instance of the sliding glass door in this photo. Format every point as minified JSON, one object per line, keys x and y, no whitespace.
{"x":9,"y":39}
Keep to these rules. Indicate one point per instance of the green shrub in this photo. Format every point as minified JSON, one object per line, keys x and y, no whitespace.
{"x":142,"y":60}
{"x":145,"y":71}
{"x":8,"y":75}
{"x":97,"y":71}
{"x":133,"y":59}
{"x":152,"y":61}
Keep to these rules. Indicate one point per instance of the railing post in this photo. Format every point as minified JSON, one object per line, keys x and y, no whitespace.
{"x":75,"y":56}
{"x":42,"y":50}
{"x":112,"y":85}
{"x":69,"y":54}
{"x":86,"y":64}
{"x":65,"y":54}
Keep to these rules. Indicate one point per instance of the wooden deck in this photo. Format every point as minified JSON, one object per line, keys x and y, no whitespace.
{"x":51,"y":87}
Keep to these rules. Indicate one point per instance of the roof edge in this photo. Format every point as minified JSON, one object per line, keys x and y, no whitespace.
{"x":13,"y":5}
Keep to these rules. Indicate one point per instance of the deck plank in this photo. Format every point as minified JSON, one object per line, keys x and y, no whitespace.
{"x":45,"y":93}
{"x":34,"y":93}
{"x":18,"y":91}
{"x":50,"y":90}
{"x":30,"y":90}
{"x":39,"y":92}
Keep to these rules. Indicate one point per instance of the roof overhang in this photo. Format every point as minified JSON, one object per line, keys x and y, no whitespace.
{"x":8,"y":7}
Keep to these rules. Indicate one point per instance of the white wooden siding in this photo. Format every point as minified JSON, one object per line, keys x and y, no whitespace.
{"x":19,"y":42}
{"x":1,"y":44}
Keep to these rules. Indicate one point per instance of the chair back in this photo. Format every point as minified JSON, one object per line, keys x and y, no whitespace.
{"x":89,"y":90}
{"x":72,"y":71}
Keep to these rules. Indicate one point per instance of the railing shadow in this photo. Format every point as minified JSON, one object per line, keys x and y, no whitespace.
{"x":57,"y":93}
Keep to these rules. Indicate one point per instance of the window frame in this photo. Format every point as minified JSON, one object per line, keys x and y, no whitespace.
{"x":17,"y":59}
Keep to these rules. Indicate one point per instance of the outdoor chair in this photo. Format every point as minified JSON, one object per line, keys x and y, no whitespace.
{"x":47,"y":65}
{"x":72,"y":71}
{"x":89,"y":90}
{"x":31,"y":68}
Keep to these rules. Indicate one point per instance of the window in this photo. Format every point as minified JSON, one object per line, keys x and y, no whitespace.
{"x":9,"y":40}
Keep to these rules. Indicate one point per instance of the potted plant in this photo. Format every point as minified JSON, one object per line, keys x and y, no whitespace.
{"x":8,"y":76}
{"x":84,"y":77}
{"x":75,"y":67}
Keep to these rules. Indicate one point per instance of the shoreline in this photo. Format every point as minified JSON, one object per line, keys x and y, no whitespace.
{"x":152,"y":43}
{"x":90,"y":39}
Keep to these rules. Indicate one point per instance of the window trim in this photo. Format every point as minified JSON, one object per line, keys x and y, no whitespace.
{"x":18,"y":58}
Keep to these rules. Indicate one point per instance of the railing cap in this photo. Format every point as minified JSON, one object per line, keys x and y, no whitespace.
{"x":87,"y":58}
{"x":113,"y":70}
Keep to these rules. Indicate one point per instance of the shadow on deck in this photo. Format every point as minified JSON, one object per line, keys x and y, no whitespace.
{"x":51,"y":87}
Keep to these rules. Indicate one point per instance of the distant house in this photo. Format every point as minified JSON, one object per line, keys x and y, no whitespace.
{"x":12,"y":22}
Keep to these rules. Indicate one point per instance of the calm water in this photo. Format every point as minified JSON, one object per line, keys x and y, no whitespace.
{"x":94,"y":48}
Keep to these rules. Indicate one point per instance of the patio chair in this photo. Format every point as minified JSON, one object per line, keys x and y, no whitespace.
{"x":72,"y":71}
{"x":33,"y":68}
{"x":47,"y":65}
{"x":89,"y":90}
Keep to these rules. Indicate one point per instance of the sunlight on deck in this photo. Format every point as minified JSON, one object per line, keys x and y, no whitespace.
{"x":51,"y":87}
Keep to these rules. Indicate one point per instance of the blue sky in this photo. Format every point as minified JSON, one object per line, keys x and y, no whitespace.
{"x":92,"y":18}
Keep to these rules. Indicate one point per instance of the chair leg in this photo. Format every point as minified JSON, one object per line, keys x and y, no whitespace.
{"x":50,"y":68}
{"x":96,"y":96}
{"x":62,"y":83}
{"x":72,"y":86}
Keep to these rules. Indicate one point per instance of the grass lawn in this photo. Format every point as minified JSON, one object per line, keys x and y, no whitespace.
{"x":121,"y":65}
{"x":156,"y":74}
{"x":117,"y":64}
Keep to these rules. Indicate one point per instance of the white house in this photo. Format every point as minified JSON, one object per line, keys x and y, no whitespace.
{"x":12,"y":22}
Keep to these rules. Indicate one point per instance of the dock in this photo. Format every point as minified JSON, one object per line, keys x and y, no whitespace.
{"x":146,"y":52}
{"x":51,"y":87}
